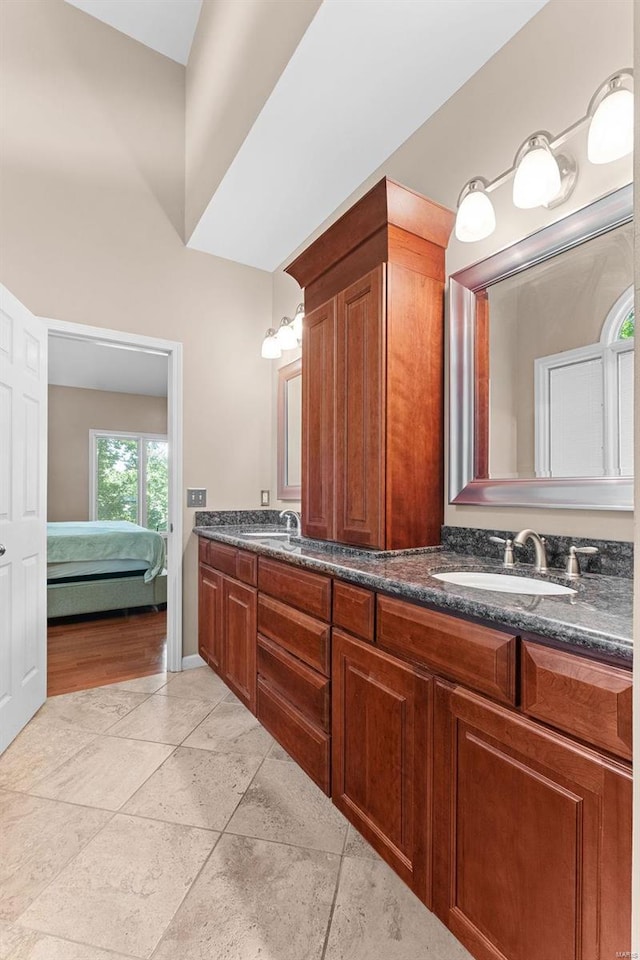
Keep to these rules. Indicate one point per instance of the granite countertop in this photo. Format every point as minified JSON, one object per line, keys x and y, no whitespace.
{"x":597,"y":618}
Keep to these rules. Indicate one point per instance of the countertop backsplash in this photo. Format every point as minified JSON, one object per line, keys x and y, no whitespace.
{"x":614,"y":557}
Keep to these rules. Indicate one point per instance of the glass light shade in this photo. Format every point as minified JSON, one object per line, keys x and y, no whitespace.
{"x":537,"y":180}
{"x":286,"y":334}
{"x":271,"y":349}
{"x":611,"y":128}
{"x":476,"y":218}
{"x":297,"y":321}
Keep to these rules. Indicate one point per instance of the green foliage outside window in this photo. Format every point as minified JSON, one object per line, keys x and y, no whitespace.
{"x":628,"y":328}
{"x":118,"y":463}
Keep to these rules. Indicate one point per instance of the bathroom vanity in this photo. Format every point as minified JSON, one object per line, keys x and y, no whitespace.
{"x":481,"y":746}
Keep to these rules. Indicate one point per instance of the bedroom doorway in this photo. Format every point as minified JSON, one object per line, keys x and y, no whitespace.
{"x":114,"y":571}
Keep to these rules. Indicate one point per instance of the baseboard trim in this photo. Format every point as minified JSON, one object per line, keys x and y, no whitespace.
{"x":193,"y":660}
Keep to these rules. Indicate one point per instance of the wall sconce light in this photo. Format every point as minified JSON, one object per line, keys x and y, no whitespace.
{"x":611,"y":127}
{"x":271,"y":348}
{"x":476,"y":217}
{"x":543,"y":176}
{"x":298,"y":317}
{"x":288,"y":336}
{"x":542,"y":179}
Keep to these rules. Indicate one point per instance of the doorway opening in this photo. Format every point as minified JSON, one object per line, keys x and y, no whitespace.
{"x":114,"y":530}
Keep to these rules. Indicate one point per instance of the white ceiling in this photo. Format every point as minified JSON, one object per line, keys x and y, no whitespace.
{"x":166,"y":26}
{"x":365,"y":76}
{"x":94,"y":365}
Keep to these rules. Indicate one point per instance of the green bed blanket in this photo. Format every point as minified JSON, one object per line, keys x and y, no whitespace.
{"x":105,"y":540}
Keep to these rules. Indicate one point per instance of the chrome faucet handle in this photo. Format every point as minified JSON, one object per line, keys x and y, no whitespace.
{"x":508,"y":560}
{"x":572,"y":570}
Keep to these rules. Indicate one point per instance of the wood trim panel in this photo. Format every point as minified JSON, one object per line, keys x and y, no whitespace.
{"x":526,"y":833}
{"x":359,"y":412}
{"x":354,"y":609}
{"x":305,"y":743}
{"x":477,"y":656}
{"x":387,"y":203}
{"x":381,"y":756}
{"x":309,"y":592}
{"x":240,"y":640}
{"x":307,"y":690}
{"x":370,"y":254}
{"x":407,"y":250}
{"x":302,"y":635}
{"x":318,"y":422}
{"x":210,"y":623}
{"x":587,"y":699}
{"x":414,"y":425}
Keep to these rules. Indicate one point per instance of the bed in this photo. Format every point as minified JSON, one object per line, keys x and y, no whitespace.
{"x":102,"y":565}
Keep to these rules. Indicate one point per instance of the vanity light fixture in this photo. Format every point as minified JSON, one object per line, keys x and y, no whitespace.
{"x":271,"y":349}
{"x":611,"y":127}
{"x":476,"y":218}
{"x":542,"y":174}
{"x":298,"y":317}
{"x":286,"y":334}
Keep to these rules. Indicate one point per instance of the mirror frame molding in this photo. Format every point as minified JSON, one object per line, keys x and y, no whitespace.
{"x":288,"y":372}
{"x":469,"y":482}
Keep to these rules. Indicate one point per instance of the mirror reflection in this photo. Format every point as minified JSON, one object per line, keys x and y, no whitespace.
{"x":290,"y":431}
{"x":559,"y":340}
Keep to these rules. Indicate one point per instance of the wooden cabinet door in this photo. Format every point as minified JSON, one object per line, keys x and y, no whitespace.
{"x":359,"y":402}
{"x":240,"y":639}
{"x":210,"y":617}
{"x":381,"y":761}
{"x":318,"y":422}
{"x":532,"y":837}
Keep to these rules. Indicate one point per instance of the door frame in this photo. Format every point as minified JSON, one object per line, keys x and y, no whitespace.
{"x":173,"y":351}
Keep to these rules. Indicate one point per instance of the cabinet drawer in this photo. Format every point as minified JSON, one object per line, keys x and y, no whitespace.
{"x":247,"y":567}
{"x":239,"y":564}
{"x":588,"y":699}
{"x":307,"y":690}
{"x":479,"y":657}
{"x":354,"y":610}
{"x":301,"y":635}
{"x":304,"y":742}
{"x":310,"y":592}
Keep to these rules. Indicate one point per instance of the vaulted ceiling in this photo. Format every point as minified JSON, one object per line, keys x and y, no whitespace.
{"x":305,"y":100}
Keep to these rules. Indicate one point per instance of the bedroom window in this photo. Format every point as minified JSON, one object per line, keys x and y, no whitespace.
{"x":130,"y":478}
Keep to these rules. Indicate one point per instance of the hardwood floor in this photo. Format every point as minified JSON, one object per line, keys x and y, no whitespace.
{"x":83,"y":653}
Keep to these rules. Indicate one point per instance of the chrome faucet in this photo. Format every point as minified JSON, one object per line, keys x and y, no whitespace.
{"x":539,"y":543}
{"x":293,"y":521}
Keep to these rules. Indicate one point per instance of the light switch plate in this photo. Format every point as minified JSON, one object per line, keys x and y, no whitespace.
{"x":264,"y":498}
{"x":196,"y":497}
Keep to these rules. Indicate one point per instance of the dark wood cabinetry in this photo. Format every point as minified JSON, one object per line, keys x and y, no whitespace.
{"x":468,"y":756}
{"x":532,"y":837}
{"x":372,"y":370}
{"x":227,"y":616}
{"x":382,"y":755}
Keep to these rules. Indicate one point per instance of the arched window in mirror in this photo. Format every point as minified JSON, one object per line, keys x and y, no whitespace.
{"x":584,"y":403}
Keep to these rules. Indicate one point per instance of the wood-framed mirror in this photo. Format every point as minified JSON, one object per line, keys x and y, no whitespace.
{"x":541,"y":367}
{"x":290,"y":431}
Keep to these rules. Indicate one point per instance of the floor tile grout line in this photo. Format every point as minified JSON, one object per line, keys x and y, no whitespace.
{"x":333,"y":907}
{"x":187,"y":892}
{"x":79,"y":943}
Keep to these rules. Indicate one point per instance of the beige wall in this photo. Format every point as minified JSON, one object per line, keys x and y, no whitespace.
{"x":239,"y":51}
{"x":72,"y":413}
{"x":92,"y":175}
{"x":542,"y":79}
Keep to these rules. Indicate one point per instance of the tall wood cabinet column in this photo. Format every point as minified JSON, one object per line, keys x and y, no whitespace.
{"x":373,"y":370}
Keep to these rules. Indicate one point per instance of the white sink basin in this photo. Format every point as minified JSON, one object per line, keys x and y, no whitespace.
{"x":505,"y":584}
{"x":266,"y":536}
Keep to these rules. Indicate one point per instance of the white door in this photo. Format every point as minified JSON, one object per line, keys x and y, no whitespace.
{"x":23,"y":527}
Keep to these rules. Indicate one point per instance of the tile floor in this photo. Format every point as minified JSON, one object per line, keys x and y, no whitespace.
{"x":156,"y":818}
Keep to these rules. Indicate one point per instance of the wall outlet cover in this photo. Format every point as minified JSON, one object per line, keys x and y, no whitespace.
{"x":264,"y":498}
{"x":196,"y":497}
